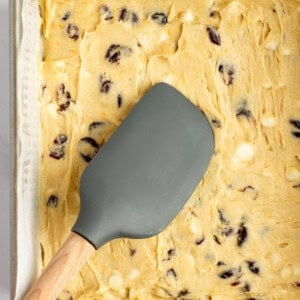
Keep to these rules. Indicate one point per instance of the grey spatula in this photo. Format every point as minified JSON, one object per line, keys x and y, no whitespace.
{"x":137,"y":183}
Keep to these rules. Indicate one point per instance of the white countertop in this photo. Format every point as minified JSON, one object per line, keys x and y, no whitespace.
{"x":4,"y":153}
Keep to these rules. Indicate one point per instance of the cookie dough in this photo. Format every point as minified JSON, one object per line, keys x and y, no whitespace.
{"x":238,"y":61}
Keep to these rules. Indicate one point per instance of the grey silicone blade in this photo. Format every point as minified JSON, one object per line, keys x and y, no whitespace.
{"x":144,"y":174}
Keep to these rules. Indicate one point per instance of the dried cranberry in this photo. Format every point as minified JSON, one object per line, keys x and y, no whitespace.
{"x":60,"y":139}
{"x":115,"y":52}
{"x":57,"y":152}
{"x":250,"y":190}
{"x":252,"y":267}
{"x":134,"y":18}
{"x":127,"y":15}
{"x":171,"y":252}
{"x":227,"y":231}
{"x":227,"y":72}
{"x":64,"y":106}
{"x":171,"y":272}
{"x":243,"y":112}
{"x":199,"y":241}
{"x":221,"y":217}
{"x":52,"y":201}
{"x":72,"y":31}
{"x":105,"y":86}
{"x":159,"y":18}
{"x":183,"y":292}
{"x":97,"y":130}
{"x":226,"y":274}
{"x":88,"y":148}
{"x":248,"y":187}
{"x":216,"y":123}
{"x":295,"y":123}
{"x":230,"y":74}
{"x":217,"y":240}
{"x":63,"y":97}
{"x":66,"y":16}
{"x":106,"y":12}
{"x":296,"y":134}
{"x":132,"y":252}
{"x":96,"y":125}
{"x":246,"y":288}
{"x":123,"y":14}
{"x":242,"y":235}
{"x":297,"y":284}
{"x":119,"y":100}
{"x":213,"y":34}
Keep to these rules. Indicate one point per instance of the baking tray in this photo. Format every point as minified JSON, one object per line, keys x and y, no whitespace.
{"x":24,"y":52}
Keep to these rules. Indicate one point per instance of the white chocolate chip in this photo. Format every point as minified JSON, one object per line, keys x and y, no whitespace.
{"x":267,"y":85}
{"x":195,"y":227}
{"x":276,"y":258}
{"x":63,"y":76}
{"x":168,"y":79}
{"x":271,"y":45}
{"x":292,"y":174}
{"x":46,"y":94}
{"x":241,"y":32}
{"x":115,"y":282}
{"x":296,"y":271}
{"x":60,"y":65}
{"x":286,"y":52}
{"x":188,"y":17}
{"x":285,"y":272}
{"x":283,"y":291}
{"x":234,"y":8}
{"x":189,"y":259}
{"x":134,"y":273}
{"x":86,"y":73}
{"x":267,"y":174}
{"x":245,"y":152}
{"x":163,"y":36}
{"x":268,"y":121}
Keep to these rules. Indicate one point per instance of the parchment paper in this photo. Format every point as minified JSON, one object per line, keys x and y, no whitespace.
{"x":28,"y":125}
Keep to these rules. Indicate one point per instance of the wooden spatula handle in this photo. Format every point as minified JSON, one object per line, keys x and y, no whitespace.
{"x":63,"y":266}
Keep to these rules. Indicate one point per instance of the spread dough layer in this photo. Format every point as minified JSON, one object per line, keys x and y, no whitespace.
{"x":238,"y":235}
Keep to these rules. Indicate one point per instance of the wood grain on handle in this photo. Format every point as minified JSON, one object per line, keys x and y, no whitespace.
{"x":64,"y":265}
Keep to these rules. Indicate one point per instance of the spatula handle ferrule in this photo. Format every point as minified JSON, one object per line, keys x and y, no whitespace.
{"x":67,"y":261}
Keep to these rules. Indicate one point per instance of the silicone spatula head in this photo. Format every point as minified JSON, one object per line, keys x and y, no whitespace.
{"x":146,"y":171}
